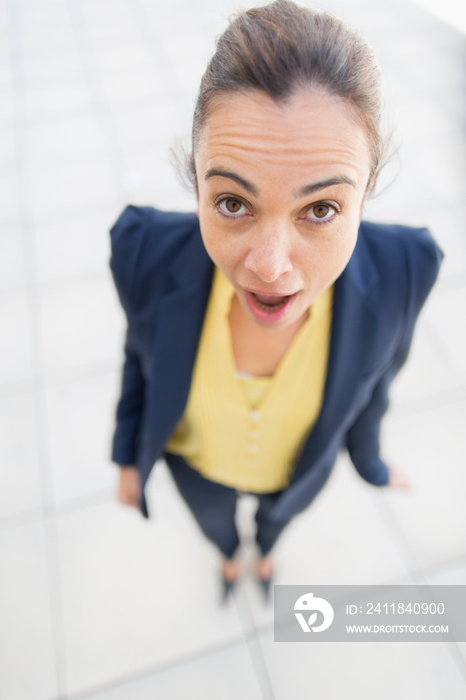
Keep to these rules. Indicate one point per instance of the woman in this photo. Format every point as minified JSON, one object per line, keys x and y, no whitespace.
{"x":264,"y":332}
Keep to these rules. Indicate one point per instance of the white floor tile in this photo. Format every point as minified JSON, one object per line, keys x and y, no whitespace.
{"x":15,"y":348}
{"x":7,"y":148}
{"x":151,"y":123}
{"x":46,"y":36}
{"x":10,"y":202}
{"x":451,"y":575}
{"x":57,"y":99}
{"x":12,"y":270}
{"x":123,"y":56}
{"x":447,"y":309}
{"x":444,"y":166}
{"x":105,"y":9}
{"x":222,"y":675}
{"x":362,"y":671}
{"x":69,"y":188}
{"x":199,"y":26}
{"x":81,"y":325}
{"x":19,"y":463}
{"x":429,"y":447}
{"x":112,"y":30}
{"x":5,"y":69}
{"x":80,"y":424}
{"x":59,"y":139}
{"x":26,"y":646}
{"x":60,"y":65}
{"x":47,"y":14}
{"x":448,"y":229}
{"x":73,"y":247}
{"x":8,"y":109}
{"x":390,"y":203}
{"x":421,"y":119}
{"x":137,"y":595}
{"x":132,"y":86}
{"x":151,"y":175}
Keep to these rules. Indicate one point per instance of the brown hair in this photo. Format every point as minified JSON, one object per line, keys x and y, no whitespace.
{"x":281,"y":47}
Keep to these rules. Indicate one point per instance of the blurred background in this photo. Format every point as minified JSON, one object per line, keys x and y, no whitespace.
{"x":96,"y":602}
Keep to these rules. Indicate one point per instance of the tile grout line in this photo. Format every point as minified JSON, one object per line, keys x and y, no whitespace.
{"x":419,"y":574}
{"x":254,"y":649}
{"x":38,"y":384}
{"x":47,"y":514}
{"x":260,"y":668}
{"x":159,"y":58}
{"x":64,"y":508}
{"x":60,"y":378}
{"x":409,"y":408}
{"x":171,"y":665}
{"x":114,"y":147}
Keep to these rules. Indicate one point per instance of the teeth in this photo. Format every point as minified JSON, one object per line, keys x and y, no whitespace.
{"x":268,"y":307}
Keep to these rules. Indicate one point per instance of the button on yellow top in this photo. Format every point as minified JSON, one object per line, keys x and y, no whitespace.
{"x":247,"y":432}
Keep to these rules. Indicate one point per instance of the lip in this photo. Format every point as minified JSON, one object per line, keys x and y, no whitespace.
{"x":269,"y":293}
{"x":269,"y":317}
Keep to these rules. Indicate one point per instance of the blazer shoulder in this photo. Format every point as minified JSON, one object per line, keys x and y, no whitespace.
{"x":405,"y":250}
{"x":418,"y":241}
{"x":408,"y":261}
{"x":143,"y":241}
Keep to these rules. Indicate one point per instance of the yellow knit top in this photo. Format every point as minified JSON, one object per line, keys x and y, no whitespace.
{"x":243,"y":431}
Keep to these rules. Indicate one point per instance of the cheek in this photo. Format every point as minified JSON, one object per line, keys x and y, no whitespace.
{"x":342,"y":248}
{"x":327,"y":255}
{"x":222,"y":249}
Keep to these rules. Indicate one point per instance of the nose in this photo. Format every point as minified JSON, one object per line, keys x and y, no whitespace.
{"x":269,"y":255}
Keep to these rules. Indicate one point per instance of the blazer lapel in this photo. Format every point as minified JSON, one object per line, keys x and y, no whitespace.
{"x":179,"y":325}
{"x":353,"y":322}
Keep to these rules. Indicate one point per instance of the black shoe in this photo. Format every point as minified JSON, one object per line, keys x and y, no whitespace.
{"x":266,"y":585}
{"x":228,"y":588}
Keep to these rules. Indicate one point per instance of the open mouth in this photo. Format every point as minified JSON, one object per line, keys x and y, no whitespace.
{"x":269,"y":308}
{"x":270,"y":302}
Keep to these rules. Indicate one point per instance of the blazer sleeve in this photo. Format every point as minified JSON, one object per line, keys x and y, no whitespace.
{"x":423,"y":259}
{"x":127,"y":236}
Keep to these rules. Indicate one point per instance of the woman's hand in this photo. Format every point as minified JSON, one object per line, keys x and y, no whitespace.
{"x":129,"y":486}
{"x":398,"y":479}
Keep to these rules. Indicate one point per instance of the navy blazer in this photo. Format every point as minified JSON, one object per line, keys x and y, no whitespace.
{"x":163,"y":276}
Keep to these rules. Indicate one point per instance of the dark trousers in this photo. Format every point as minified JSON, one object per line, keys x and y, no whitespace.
{"x":213,"y":506}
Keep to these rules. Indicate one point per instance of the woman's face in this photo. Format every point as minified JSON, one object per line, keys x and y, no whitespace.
{"x":280,"y":194}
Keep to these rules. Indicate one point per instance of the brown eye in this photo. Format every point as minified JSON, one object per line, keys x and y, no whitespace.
{"x":231,"y":207}
{"x":321,"y":212}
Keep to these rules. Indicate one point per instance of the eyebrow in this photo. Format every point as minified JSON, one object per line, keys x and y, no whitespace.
{"x":316,"y":186}
{"x":302,"y":192}
{"x":216,"y":172}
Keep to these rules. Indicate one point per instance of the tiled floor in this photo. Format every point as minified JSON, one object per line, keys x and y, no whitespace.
{"x":95,"y":602}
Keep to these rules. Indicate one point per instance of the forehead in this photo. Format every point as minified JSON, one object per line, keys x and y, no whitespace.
{"x":309,"y":132}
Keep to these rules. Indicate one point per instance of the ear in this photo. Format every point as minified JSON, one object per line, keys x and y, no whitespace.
{"x":371,"y":183}
{"x":193,"y":173}
{"x":369,"y":188}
